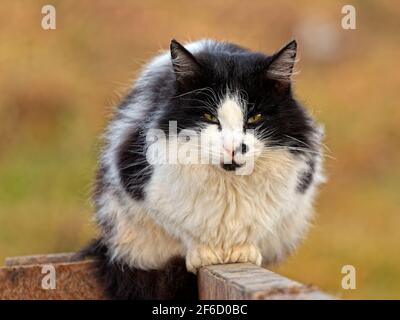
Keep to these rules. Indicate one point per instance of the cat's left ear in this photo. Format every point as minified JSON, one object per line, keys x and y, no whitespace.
{"x":282,"y":63}
{"x":184,"y":63}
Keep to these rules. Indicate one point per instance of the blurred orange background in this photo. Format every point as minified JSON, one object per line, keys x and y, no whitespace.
{"x":58,"y":87}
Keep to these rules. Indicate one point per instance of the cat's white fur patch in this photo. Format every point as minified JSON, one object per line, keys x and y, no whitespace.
{"x":230,"y":114}
{"x":231,"y":118}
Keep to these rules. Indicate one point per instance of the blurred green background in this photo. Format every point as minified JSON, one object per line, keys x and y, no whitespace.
{"x":58,"y":87}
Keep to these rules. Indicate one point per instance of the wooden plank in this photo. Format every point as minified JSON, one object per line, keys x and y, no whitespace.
{"x":42,"y":259}
{"x":75,"y":279}
{"x":248,"y":282}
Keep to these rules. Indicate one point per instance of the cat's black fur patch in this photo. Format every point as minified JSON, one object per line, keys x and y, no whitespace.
{"x":122,"y":282}
{"x":133,"y":167}
{"x":306,"y":178}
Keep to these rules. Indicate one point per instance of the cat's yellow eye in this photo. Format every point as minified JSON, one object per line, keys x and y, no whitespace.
{"x":210,"y":117}
{"x":254,"y":119}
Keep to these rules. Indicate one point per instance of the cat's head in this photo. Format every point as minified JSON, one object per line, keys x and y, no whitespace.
{"x":236,"y":106}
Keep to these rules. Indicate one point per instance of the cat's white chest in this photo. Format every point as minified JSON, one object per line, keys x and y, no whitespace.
{"x":218,"y":208}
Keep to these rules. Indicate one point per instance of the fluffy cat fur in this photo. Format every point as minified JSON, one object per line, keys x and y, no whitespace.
{"x":159,"y":220}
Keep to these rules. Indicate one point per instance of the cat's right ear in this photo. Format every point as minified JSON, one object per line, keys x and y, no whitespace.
{"x":281,"y":66}
{"x":184,"y":63}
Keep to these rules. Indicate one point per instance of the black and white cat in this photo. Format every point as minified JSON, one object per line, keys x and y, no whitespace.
{"x":155,"y":214}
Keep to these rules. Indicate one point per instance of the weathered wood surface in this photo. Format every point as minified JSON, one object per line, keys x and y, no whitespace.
{"x":246,"y":281}
{"x":43,"y":259}
{"x":21,"y":278}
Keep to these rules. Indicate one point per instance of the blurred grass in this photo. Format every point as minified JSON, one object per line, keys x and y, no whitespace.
{"x":57,"y":88}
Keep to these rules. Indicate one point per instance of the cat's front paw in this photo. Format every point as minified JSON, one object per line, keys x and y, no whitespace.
{"x":202,"y":255}
{"x":243,"y":253}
